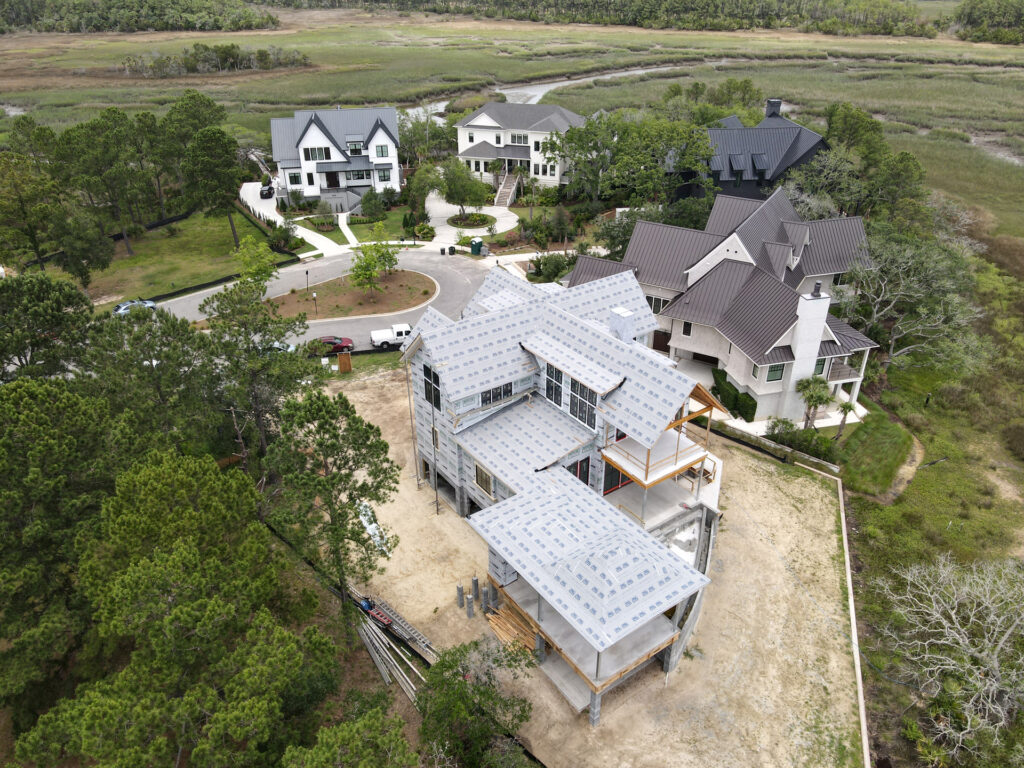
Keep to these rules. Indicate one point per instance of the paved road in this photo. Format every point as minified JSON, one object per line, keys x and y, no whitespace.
{"x":458,"y":277}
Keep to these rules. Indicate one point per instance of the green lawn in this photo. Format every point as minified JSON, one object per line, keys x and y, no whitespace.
{"x":373,"y":363}
{"x":392,"y":226}
{"x":199,"y":251}
{"x":872,"y":452}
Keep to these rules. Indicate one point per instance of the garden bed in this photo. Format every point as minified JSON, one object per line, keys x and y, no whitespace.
{"x":338,"y":298}
{"x":472,"y":220}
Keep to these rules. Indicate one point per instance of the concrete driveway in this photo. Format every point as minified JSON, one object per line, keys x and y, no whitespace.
{"x":439,"y":212}
{"x":250,"y":195}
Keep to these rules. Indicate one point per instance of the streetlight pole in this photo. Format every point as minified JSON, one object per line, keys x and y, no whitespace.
{"x":316,"y":312}
{"x":307,"y":281}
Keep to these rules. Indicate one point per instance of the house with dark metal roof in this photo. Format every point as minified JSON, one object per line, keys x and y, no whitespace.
{"x":745,"y":162}
{"x":336,"y":155}
{"x":571,"y":447}
{"x":750,"y":295}
{"x":514,"y":135}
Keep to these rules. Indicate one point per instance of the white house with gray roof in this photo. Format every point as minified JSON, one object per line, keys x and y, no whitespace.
{"x":515,"y":135}
{"x":750,"y":295}
{"x":572,"y":448}
{"x":336,"y":155}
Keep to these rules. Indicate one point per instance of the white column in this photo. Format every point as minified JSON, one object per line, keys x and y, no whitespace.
{"x":855,"y":389}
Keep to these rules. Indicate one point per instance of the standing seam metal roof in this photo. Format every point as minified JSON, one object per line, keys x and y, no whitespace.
{"x":526,"y":117}
{"x":661,"y":253}
{"x":338,"y":123}
{"x":590,"y":268}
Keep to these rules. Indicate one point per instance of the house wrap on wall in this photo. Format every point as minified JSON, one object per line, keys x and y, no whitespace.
{"x":573,"y":448}
{"x":336,"y":155}
{"x":750,"y":294}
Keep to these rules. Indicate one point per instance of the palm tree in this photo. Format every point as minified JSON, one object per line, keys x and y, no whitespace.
{"x":531,"y":190}
{"x":846,"y":407}
{"x":815,"y":393}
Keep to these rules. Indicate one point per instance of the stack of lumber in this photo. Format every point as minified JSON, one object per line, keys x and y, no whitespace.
{"x":389,"y":658}
{"x":510,"y":628}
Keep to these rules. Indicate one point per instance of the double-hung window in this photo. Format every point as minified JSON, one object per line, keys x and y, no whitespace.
{"x":518,"y":138}
{"x":483,"y":479}
{"x":384,"y":174}
{"x":775,"y":372}
{"x":687,"y":328}
{"x":496,"y":394}
{"x":294,"y":179}
{"x":819,"y":366}
{"x":470,"y":137}
{"x":382,"y":150}
{"x":583,"y":404}
{"x":431,"y":386}
{"x":553,"y":385}
{"x":497,"y":139}
{"x":355,"y":147}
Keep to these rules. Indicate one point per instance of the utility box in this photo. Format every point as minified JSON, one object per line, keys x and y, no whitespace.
{"x":475,"y":245}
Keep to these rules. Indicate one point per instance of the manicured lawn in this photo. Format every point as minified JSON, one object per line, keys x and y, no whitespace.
{"x":392,"y":226}
{"x":337,"y":298}
{"x":199,"y":251}
{"x":873,"y":452}
{"x":372,"y":363}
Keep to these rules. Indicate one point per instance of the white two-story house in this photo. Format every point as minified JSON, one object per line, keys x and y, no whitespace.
{"x":336,"y":155}
{"x":581,"y":458}
{"x":750,"y":296}
{"x":514,"y":134}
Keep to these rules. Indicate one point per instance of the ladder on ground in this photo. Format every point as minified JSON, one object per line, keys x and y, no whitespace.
{"x":506,"y":193}
{"x":408,"y":629}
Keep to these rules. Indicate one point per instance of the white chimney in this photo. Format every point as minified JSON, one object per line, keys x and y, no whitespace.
{"x":623,"y":324}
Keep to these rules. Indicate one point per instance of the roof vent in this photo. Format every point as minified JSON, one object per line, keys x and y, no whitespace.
{"x":773,"y":108}
{"x":816,"y":293}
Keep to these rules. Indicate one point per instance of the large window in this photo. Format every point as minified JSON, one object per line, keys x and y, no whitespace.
{"x":819,"y":366}
{"x":775,"y":372}
{"x":657,"y":304}
{"x":316,"y":153}
{"x":483,"y":479}
{"x":294,"y":179}
{"x":384,"y":174}
{"x":382,"y":150}
{"x":431,"y":386}
{"x":355,"y":147}
{"x":495,"y":395}
{"x":583,"y":404}
{"x":359,"y":175}
{"x":518,"y":138}
{"x":581,"y":470}
{"x":553,"y":385}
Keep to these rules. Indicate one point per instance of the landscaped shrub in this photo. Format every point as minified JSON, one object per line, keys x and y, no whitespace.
{"x":784,"y":432}
{"x":746,"y":406}
{"x":726,"y":392}
{"x":371,"y":205}
{"x":365,"y":219}
{"x":549,"y":196}
{"x":424,"y":232}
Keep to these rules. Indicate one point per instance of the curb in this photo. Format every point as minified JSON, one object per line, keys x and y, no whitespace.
{"x":437,"y":292}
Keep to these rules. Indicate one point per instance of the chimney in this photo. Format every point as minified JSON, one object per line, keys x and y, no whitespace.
{"x":773,"y":108}
{"x":816,"y":293}
{"x":622,"y":323}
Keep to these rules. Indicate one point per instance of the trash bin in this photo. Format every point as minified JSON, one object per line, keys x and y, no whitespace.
{"x":475,"y":245}
{"x":442,"y":250}
{"x":451,"y":250}
{"x":485,"y":251}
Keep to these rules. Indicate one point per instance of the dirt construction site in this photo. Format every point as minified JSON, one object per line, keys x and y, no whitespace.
{"x":768,"y":679}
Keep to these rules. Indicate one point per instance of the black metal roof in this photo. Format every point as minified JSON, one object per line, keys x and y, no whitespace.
{"x":484,"y":150}
{"x":662,"y":253}
{"x":594,"y":268}
{"x":772,"y":147}
{"x":526,"y":117}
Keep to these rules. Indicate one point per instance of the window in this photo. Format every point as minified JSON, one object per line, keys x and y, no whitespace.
{"x":536,"y":169}
{"x":543,"y":170}
{"x":497,"y":139}
{"x":518,"y":138}
{"x":470,"y":137}
{"x":839,"y":279}
{"x":309,"y":179}
{"x":496,"y":394}
{"x":355,"y":147}
{"x":687,"y":328}
{"x":483,"y":479}
{"x":581,"y":470}
{"x":657,"y":304}
{"x":433,"y":436}
{"x":359,"y":175}
{"x":737,"y":179}
{"x":775,"y":372}
{"x":536,"y":146}
{"x":294,"y":179}
{"x":754,"y":372}
{"x":382,"y":150}
{"x":476,"y":165}
{"x":819,"y":366}
{"x":316,"y":153}
{"x":431,"y":387}
{"x":553,"y":385}
{"x":384,"y":174}
{"x":583,"y":404}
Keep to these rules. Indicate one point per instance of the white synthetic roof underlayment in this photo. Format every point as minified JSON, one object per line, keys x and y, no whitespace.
{"x":603,"y":573}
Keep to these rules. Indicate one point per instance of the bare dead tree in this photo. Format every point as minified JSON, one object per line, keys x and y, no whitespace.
{"x":960,"y":638}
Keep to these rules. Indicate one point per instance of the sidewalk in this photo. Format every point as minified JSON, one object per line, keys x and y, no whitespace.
{"x":444,"y":233}
{"x":267,"y":209}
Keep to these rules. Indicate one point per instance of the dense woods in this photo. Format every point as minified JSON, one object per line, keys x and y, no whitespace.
{"x":992,"y":21}
{"x":203,"y":59}
{"x":130,"y":15}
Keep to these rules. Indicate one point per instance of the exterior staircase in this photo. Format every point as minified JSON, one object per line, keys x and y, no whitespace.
{"x":506,"y":193}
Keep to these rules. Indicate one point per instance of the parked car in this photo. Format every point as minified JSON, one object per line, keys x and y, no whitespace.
{"x":329,"y":345}
{"x":267,"y":191}
{"x":278,"y":346}
{"x":387,"y":338}
{"x":126,"y":306}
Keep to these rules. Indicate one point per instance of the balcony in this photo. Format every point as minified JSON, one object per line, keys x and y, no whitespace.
{"x":676,"y":450}
{"x":842,"y":372}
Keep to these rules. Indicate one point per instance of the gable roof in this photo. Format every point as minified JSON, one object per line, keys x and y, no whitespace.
{"x":729,"y":212}
{"x":660,"y":254}
{"x":834,"y":245}
{"x":337,"y":124}
{"x":549,"y":118}
{"x":594,"y":268}
{"x":771,"y":147}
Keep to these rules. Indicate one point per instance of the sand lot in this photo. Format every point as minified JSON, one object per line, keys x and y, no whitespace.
{"x":769,"y":680}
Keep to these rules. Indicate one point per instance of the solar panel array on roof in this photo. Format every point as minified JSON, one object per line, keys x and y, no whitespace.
{"x":603,"y":573}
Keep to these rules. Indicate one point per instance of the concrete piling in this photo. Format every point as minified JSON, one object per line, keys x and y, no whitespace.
{"x":459,"y":594}
{"x":469,"y":609}
{"x":485,"y":602}
{"x":476,"y":588}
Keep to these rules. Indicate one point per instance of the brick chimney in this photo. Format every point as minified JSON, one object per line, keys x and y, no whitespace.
{"x":773,"y":108}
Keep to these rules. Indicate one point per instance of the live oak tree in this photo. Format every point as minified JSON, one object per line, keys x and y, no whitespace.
{"x":59,"y":453}
{"x":334,"y":467}
{"x":212,"y":174}
{"x":366,"y":269}
{"x":42,"y":325}
{"x":460,"y":188}
{"x":386,"y":253}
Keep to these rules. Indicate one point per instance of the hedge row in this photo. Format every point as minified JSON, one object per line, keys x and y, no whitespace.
{"x":738,"y":403}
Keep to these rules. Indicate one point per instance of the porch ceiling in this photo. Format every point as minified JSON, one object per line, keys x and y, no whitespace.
{"x":670,"y":455}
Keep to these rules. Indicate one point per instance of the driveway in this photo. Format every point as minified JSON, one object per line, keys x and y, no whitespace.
{"x":267,"y":208}
{"x":439,"y":212}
